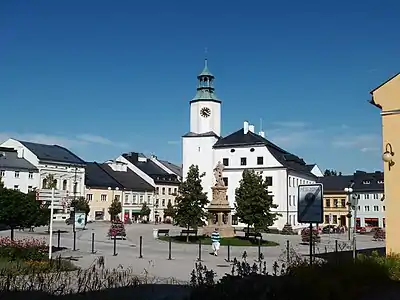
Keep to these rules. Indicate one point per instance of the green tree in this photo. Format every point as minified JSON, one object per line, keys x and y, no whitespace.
{"x":16,"y":209}
{"x":115,"y":208}
{"x":169,"y":211}
{"x":50,"y":182}
{"x":190,"y":211}
{"x":254,"y":202}
{"x":80,"y":204}
{"x":145,"y":211}
{"x":332,"y":173}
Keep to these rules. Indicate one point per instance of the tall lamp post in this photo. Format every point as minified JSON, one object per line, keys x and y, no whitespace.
{"x":349,"y":191}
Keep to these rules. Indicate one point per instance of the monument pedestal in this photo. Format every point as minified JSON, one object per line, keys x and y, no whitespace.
{"x":220,"y":213}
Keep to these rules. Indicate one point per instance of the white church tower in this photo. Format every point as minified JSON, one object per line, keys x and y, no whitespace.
{"x":205,"y":129}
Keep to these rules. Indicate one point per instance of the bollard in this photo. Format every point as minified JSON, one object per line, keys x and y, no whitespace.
{"x":229,"y":252}
{"x":169,"y":248}
{"x":115,"y":246}
{"x":336,"y":246}
{"x":199,"y":258}
{"x":287,"y":251}
{"x":74,"y":241}
{"x":93,"y":252}
{"x":58,"y":238}
{"x":140,"y":247}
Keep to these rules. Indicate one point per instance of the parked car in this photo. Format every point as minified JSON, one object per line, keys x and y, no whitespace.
{"x":69,"y":221}
{"x":329,"y":229}
{"x":360,"y":229}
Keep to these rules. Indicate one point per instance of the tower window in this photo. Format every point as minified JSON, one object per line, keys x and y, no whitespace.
{"x":252,"y":150}
{"x":243,"y":161}
{"x":260,"y":160}
{"x":225,"y":161}
{"x":232,"y":150}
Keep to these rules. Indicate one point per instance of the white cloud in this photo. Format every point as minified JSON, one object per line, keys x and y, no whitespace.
{"x":362,"y":142}
{"x":292,"y":124}
{"x":79,"y":140}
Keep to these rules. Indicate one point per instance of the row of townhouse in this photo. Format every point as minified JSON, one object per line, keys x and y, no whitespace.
{"x":132,"y":178}
{"x":367,"y":187}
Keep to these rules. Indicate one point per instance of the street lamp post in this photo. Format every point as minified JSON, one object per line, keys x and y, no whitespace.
{"x":349,"y":191}
{"x":72,"y":212}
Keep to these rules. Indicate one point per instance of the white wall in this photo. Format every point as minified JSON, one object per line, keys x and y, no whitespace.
{"x":24,"y":182}
{"x":136,"y":170}
{"x":198,"y":151}
{"x":199,"y":124}
{"x":22,"y":151}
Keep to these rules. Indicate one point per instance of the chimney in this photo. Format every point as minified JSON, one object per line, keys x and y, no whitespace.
{"x":262,"y":134}
{"x":251,"y":128}
{"x":245,"y":127}
{"x":134,"y":156}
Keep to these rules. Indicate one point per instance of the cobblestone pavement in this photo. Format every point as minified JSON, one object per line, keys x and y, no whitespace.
{"x":155,"y":252}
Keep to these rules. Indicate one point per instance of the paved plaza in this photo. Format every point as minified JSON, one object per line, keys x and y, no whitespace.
{"x":155,"y":252}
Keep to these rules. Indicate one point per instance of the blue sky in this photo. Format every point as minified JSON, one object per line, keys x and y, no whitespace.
{"x":104,"y":77}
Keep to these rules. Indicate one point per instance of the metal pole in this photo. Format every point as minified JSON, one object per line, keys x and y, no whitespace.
{"x":199,"y":258}
{"x":74,"y":241}
{"x":51,"y":223}
{"x":58,"y":238}
{"x":93,"y":252}
{"x":355,"y":231}
{"x":311,"y":244}
{"x":349,"y":229}
{"x":169,"y":248}
{"x":115,"y":245}
{"x":336,"y":246}
{"x":229,"y":252}
{"x":259,"y":249}
{"x":140,"y":247}
{"x":287,"y":251}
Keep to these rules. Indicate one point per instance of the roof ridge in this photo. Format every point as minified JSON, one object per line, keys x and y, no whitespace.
{"x":70,"y":152}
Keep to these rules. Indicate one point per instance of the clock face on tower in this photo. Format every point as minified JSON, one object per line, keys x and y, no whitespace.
{"x":205,"y":112}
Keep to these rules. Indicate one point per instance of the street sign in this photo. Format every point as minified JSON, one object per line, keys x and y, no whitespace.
{"x":310,"y":206}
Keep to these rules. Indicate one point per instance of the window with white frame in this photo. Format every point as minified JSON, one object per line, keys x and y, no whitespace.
{"x":294,"y":200}
{"x":290,"y":200}
{"x":30,"y":188}
{"x":30,"y":175}
{"x":2,"y":173}
{"x":16,"y":187}
{"x":376,"y":196}
{"x":376,"y":208}
{"x":366,"y":196}
{"x":16,"y":174}
{"x":141,"y":199}
{"x":148,"y":198}
{"x":126,"y":198}
{"x":89,"y":197}
{"x":366,"y":208}
{"x":103,"y":197}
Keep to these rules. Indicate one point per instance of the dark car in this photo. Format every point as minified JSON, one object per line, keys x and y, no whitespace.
{"x":69,"y":221}
{"x":329,"y":229}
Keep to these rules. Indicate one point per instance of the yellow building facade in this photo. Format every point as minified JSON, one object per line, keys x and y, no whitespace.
{"x":99,"y":202}
{"x":387,"y":98}
{"x":335,"y":209}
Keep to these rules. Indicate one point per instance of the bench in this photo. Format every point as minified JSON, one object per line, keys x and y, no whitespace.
{"x":163,"y":231}
{"x":252,"y":234}
{"x":189,"y":232}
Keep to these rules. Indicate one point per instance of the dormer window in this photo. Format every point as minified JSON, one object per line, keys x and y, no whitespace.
{"x":366,"y":182}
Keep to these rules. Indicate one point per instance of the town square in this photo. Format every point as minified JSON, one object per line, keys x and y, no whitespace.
{"x":193,"y":151}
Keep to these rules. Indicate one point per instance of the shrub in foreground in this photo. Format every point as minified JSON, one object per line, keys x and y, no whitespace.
{"x":22,"y":249}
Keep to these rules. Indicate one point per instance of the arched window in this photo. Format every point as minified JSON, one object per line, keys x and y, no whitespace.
{"x":64,"y":185}
{"x":44,"y":183}
{"x":55,"y":184}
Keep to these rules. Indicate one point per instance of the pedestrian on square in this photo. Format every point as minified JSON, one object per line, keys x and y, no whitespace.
{"x":215,"y":241}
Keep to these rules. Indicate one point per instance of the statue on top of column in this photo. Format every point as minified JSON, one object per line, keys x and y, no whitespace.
{"x":219,"y":181}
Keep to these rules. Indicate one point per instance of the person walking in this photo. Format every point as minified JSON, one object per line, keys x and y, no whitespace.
{"x":215,"y":241}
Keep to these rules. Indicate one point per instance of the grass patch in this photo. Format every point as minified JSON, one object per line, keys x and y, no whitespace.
{"x":21,"y":267}
{"x":233,"y":241}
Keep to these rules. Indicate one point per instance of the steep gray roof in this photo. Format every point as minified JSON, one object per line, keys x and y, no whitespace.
{"x":53,"y":153}
{"x":363,"y":182}
{"x":9,"y":160}
{"x":97,"y":177}
{"x":174,"y":168}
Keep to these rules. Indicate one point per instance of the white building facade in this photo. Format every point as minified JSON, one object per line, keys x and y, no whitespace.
{"x":371,"y":201}
{"x":67,"y":169}
{"x":16,"y":172}
{"x":244,"y":149}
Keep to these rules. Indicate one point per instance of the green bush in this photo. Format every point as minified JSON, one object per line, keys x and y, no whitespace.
{"x":390,"y":263}
{"x":24,"y":249}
